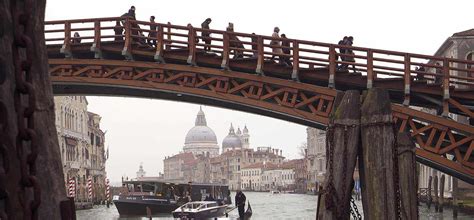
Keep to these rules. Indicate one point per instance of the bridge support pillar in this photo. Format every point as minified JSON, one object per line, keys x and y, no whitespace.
{"x":408,"y":177}
{"x":342,"y":142}
{"x":379,"y":156}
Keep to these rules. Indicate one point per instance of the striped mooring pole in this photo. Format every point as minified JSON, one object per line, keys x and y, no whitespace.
{"x":72,"y":187}
{"x":107,"y":192}
{"x":89,"y":187}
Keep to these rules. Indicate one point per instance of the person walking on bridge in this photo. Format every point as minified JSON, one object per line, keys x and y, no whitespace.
{"x":240,"y":203}
{"x":152,"y":34}
{"x":276,"y":45}
{"x":285,"y":43}
{"x":205,"y":34}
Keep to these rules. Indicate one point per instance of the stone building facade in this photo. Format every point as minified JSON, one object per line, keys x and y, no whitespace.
{"x":315,"y":157}
{"x":81,"y":143}
{"x":265,"y":176}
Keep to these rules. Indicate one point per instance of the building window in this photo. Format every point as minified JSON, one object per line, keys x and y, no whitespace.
{"x":470,"y":56}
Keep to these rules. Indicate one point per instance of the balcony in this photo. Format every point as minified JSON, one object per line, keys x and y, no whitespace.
{"x":73,"y":165}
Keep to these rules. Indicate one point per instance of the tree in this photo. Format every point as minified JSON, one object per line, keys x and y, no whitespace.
{"x":302,"y":148}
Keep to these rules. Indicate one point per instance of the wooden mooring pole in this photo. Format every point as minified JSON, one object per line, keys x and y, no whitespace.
{"x":378,"y":146}
{"x":441,"y":193}
{"x":428,"y":194}
{"x":435,"y":189}
{"x":342,"y":148}
{"x":408,"y":177}
{"x":455,"y":197}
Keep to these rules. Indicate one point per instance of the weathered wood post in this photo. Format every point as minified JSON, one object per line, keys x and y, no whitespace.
{"x":455,"y":197}
{"x":27,"y":118}
{"x":342,"y":147}
{"x":435,"y":189}
{"x":428,"y":194}
{"x":408,"y":176}
{"x":378,"y":149}
{"x":441,"y":193}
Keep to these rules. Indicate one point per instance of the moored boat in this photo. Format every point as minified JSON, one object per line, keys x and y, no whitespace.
{"x":275,"y":192}
{"x":143,"y":198}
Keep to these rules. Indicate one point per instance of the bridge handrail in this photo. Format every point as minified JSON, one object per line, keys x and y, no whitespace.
{"x":373,"y":63}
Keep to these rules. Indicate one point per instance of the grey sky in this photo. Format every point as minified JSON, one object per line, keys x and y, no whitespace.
{"x":143,"y":130}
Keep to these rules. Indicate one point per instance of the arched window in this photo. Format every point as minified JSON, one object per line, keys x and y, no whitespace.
{"x":62,"y":117}
{"x":470,"y":57}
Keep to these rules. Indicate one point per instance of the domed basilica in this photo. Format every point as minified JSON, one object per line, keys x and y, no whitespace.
{"x":201,"y":139}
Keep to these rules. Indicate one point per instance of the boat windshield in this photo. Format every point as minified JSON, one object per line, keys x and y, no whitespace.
{"x":194,"y":206}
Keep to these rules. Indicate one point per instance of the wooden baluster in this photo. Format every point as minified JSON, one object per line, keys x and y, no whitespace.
{"x":97,"y":37}
{"x":260,"y":56}
{"x":445,"y":87}
{"x":168,"y":32}
{"x":370,"y":69}
{"x":332,"y":66}
{"x":66,"y":48}
{"x":296,"y":61}
{"x":225,"y":51}
{"x":127,"y":48}
{"x":159,"y":45}
{"x":407,"y":77}
{"x":191,"y":45}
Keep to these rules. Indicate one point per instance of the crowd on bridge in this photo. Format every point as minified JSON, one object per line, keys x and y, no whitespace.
{"x":280,"y":44}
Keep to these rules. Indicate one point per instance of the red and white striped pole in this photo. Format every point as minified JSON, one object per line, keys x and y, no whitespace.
{"x":107,"y":192}
{"x":107,"y":189}
{"x":89,"y":187}
{"x":72,"y":188}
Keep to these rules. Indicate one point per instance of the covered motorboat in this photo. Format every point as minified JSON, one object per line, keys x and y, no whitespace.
{"x":200,"y":210}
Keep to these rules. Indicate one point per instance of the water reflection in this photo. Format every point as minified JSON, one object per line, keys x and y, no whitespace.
{"x":267,"y":206}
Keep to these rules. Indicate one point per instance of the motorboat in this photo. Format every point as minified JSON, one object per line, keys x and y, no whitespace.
{"x":200,"y":210}
{"x":275,"y":192}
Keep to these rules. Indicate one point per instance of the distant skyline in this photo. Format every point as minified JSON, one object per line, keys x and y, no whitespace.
{"x":144,"y":130}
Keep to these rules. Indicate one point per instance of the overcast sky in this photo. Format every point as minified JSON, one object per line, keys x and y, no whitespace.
{"x":144,"y":130}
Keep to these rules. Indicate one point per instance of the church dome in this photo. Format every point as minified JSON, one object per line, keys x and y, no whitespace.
{"x":231,"y":141}
{"x":200,"y":133}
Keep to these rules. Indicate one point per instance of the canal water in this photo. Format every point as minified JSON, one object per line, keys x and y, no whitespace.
{"x":267,"y":206}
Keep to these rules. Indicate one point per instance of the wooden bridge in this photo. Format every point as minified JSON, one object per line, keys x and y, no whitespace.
{"x":112,"y":57}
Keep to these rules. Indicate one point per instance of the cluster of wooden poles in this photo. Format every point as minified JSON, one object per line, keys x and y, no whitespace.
{"x":438,"y":198}
{"x":361,"y":134}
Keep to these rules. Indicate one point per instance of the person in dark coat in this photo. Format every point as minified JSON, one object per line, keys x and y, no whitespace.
{"x":152,"y":34}
{"x":76,"y":39}
{"x":118,"y":30}
{"x":342,"y":50}
{"x":240,"y":203}
{"x":254,"y":45}
{"x":285,"y":43}
{"x":205,"y":34}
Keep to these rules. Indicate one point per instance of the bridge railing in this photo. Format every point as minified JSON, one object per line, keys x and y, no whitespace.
{"x":373,"y":64}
